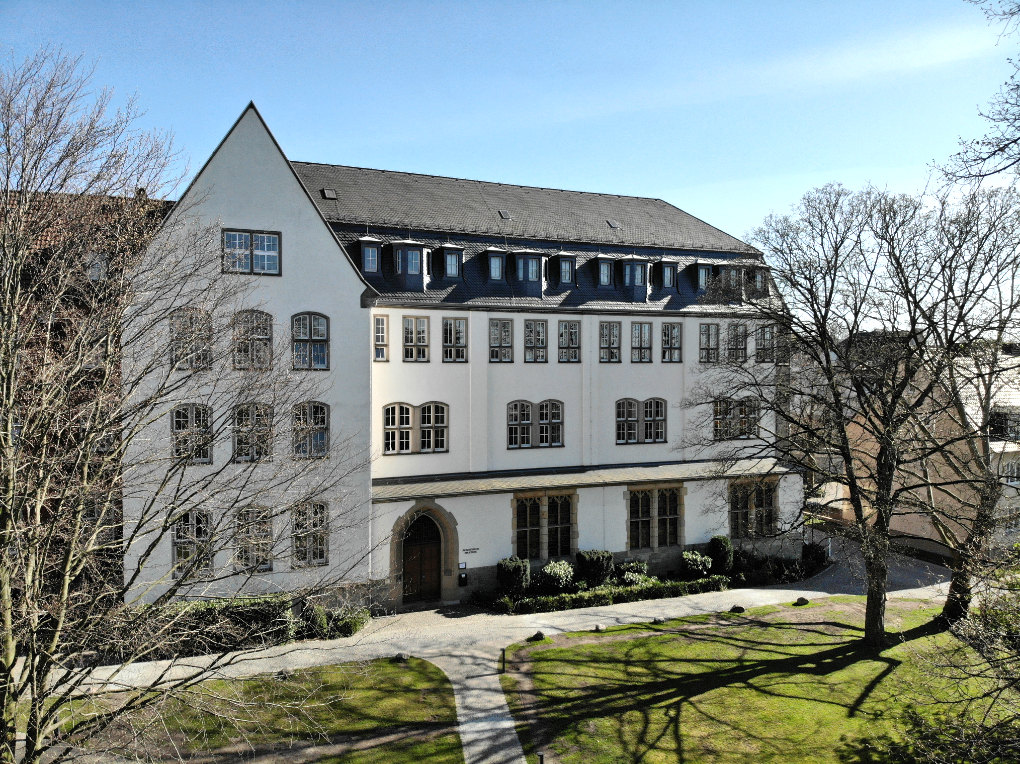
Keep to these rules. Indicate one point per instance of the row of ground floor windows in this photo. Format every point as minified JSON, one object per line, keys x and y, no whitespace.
{"x":545,"y":525}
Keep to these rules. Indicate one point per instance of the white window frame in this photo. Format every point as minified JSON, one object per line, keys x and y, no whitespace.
{"x":380,"y":338}
{"x":417,"y":349}
{"x":250,"y":252}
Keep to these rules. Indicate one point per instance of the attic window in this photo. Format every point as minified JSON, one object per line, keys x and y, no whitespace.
{"x":505,"y":215}
{"x":329,"y":193}
{"x":612,"y":224}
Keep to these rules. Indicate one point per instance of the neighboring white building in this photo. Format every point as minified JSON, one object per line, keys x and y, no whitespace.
{"x":514,"y":360}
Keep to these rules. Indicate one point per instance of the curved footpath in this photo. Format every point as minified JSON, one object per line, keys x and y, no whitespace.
{"x":466,"y":645}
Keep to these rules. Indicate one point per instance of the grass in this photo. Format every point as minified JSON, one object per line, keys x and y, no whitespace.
{"x":779,"y":684}
{"x":378,"y":712}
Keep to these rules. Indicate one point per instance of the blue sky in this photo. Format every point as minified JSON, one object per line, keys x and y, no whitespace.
{"x":729,"y":110}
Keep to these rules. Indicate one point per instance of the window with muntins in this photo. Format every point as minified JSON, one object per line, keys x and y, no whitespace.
{"x":454,"y":340}
{"x":640,"y":513}
{"x":560,"y":528}
{"x":191,"y":551}
{"x":535,"y":341}
{"x":451,"y":262}
{"x":518,"y":424}
{"x":432,"y":427}
{"x":310,"y":337}
{"x":526,"y":430}
{"x":736,"y":345}
{"x":640,"y":342}
{"x":310,"y":521}
{"x":397,"y":429}
{"x":550,"y":423}
{"x":570,"y":342}
{"x":408,"y":261}
{"x":253,"y":551}
{"x":672,"y":342}
{"x":669,"y":502}
{"x":191,"y":426}
{"x":495,"y":267}
{"x":529,"y":268}
{"x":734,"y":419}
{"x":609,"y":342}
{"x":191,"y":338}
{"x":416,"y":339}
{"x":253,"y":432}
{"x":501,"y":340}
{"x":311,"y":430}
{"x":380,"y":338}
{"x":668,"y":276}
{"x":370,"y":258}
{"x":708,"y":343}
{"x":255,"y":252}
{"x":704,"y":277}
{"x":752,"y":510}
{"x":566,"y":271}
{"x":765,"y":344}
{"x":529,"y":528}
{"x":415,"y":429}
{"x":605,"y":273}
{"x":253,"y":340}
{"x":634,"y":274}
{"x":640,"y":421}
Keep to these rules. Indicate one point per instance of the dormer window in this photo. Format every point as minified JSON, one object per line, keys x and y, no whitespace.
{"x":451,"y":263}
{"x":370,"y":258}
{"x":495,"y":267}
{"x":761,"y":282}
{"x":566,"y":270}
{"x":409,"y":261}
{"x":704,"y":276}
{"x":605,"y":273}
{"x":528,"y":268}
{"x":730,"y":278}
{"x":634,"y":274}
{"x":668,"y":276}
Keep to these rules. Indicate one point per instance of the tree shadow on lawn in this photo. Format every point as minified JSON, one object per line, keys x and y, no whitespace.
{"x":595,"y":692}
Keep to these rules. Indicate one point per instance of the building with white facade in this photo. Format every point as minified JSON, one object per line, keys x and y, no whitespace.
{"x":518,"y":364}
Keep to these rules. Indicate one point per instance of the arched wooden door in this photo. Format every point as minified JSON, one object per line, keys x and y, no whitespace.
{"x":423,"y":560}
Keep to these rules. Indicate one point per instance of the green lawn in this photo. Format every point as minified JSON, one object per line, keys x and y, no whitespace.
{"x":378,"y":712}
{"x":780,"y":684}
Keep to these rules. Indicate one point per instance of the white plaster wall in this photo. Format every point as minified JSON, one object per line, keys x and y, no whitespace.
{"x":248,"y":184}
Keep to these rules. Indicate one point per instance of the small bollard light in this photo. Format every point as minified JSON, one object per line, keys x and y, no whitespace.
{"x":541,"y":758}
{"x":502,"y":661}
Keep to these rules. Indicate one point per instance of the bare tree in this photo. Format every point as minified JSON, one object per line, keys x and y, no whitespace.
{"x":126,"y":360}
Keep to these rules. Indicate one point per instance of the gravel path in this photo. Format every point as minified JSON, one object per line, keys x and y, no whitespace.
{"x":466,"y":644}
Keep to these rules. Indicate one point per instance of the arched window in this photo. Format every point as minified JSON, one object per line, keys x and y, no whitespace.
{"x":253,"y":432}
{"x":640,"y":421}
{"x":253,"y":340}
{"x":191,"y":433}
{"x":626,"y":421}
{"x":192,"y":553}
{"x":311,"y":430}
{"x":310,"y":340}
{"x":311,"y":533}
{"x":550,"y":423}
{"x":191,"y":338}
{"x":397,"y":429}
{"x":432,"y":427}
{"x":518,"y":424}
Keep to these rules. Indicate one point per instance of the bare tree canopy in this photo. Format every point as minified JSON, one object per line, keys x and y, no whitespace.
{"x":125,"y":358}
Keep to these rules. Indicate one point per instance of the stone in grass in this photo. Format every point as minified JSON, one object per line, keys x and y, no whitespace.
{"x":658,"y":620}
{"x":737,"y":609}
{"x":599,"y":628}
{"x":801,"y":601}
{"x":401,"y":658}
{"x":538,"y":636}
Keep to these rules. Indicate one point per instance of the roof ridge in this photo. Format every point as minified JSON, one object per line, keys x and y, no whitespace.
{"x":491,"y":182}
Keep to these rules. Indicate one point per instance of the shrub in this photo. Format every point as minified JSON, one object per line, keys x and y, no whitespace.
{"x":557,"y":576}
{"x":608,"y":595}
{"x":514,"y":576}
{"x":595,"y":566}
{"x":720,"y":551}
{"x":814,"y":557}
{"x":632,"y":578}
{"x":632,"y":566}
{"x":694,"y":565}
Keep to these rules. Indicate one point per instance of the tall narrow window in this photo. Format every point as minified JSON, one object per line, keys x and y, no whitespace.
{"x":380,"y":337}
{"x":765,"y":344}
{"x":626,"y":421}
{"x":566,"y":270}
{"x":708,"y":343}
{"x":668,"y":276}
{"x":640,"y":342}
{"x":518,"y":424}
{"x":560,"y":527}
{"x":570,"y":342}
{"x":192,"y":554}
{"x":416,"y":339}
{"x":736,"y":345}
{"x":454,"y":340}
{"x":550,"y":423}
{"x":634,"y":274}
{"x":432,"y":427}
{"x":672,"y":338}
{"x":370,"y":258}
{"x":501,"y":340}
{"x":653,"y":426}
{"x":310,"y":336}
{"x":535,"y":341}
{"x":495,"y":267}
{"x":640,"y":519}
{"x":669,"y":517}
{"x":253,"y":340}
{"x":253,"y":432}
{"x":605,"y":273}
{"x":311,"y":534}
{"x":704,"y":277}
{"x":192,"y":433}
{"x":528,"y":529}
{"x":609,"y":342}
{"x":528,"y":268}
{"x":311,"y":430}
{"x":452,"y":264}
{"x":191,"y":338}
{"x":254,"y":540}
{"x":752,"y":510}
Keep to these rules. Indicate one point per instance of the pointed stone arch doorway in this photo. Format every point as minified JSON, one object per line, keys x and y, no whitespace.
{"x":424,"y":554}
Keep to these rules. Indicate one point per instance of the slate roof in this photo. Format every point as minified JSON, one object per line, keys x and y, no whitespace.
{"x":416,"y":202}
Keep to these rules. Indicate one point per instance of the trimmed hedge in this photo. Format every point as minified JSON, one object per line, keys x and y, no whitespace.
{"x":720,"y":549}
{"x":513,"y":575}
{"x":609,"y":595}
{"x":594,"y":566}
{"x":332,"y":623}
{"x":694,"y":565}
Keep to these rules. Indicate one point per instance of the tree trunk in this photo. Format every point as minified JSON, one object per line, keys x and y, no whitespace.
{"x":960,"y":594}
{"x":876,"y":568}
